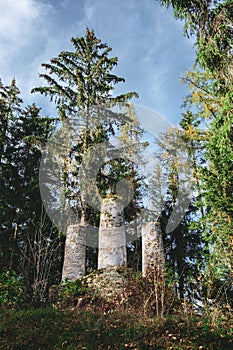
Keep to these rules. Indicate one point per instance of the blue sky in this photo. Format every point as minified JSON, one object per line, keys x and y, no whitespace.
{"x":149,"y":43}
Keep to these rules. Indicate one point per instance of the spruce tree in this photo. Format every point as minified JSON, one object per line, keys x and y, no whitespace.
{"x":23,"y":135}
{"x":80,"y":79}
{"x":81,"y":83}
{"x":211,"y":100}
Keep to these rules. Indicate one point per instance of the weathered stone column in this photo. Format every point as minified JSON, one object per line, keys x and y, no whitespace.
{"x":75,"y":253}
{"x":112,"y":240}
{"x":152,"y":247}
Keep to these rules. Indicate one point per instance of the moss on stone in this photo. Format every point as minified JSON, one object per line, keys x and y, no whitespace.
{"x":105,"y":283}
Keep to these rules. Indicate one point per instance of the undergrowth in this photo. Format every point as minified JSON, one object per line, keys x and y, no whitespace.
{"x":80,"y":319}
{"x":80,"y":328}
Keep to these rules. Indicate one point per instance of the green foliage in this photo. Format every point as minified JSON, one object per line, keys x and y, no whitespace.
{"x":22,"y":138}
{"x":207,"y":127}
{"x":211,"y":22}
{"x":83,"y":78}
{"x":208,"y":136}
{"x":70,"y":290}
{"x":65,"y":329}
{"x":78,"y":81}
{"x":183,"y":247}
{"x":12,"y":290}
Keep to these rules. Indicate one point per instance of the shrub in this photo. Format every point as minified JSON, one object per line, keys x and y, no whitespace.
{"x":73,"y":289}
{"x":11,"y":290}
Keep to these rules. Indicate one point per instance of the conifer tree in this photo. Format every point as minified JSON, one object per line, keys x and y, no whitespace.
{"x":81,"y":84}
{"x":211,"y":101}
{"x":182,"y":244}
{"x":23,"y":135}
{"x":80,"y":79}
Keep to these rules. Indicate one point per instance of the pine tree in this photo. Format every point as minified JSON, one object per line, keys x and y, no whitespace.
{"x":23,"y":136}
{"x":81,"y":83}
{"x":10,"y":104}
{"x":211,"y":98}
{"x":183,"y":242}
{"x":80,"y":79}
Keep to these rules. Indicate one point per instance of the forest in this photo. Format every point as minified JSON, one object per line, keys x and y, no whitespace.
{"x":185,"y":299}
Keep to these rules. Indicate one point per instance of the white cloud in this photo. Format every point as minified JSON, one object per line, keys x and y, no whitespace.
{"x":145,"y":37}
{"x":21,"y":37}
{"x":18,"y":21}
{"x":65,"y":3}
{"x":151,"y":49}
{"x":15,"y":17}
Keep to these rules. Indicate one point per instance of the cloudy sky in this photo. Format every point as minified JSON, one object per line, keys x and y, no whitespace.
{"x":149,"y":43}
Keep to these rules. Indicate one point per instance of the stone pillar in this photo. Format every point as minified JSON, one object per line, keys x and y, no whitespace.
{"x":75,"y":253}
{"x":152,"y":247}
{"x":112,"y":240}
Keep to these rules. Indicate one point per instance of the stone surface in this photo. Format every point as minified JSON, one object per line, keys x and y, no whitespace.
{"x":75,"y":253}
{"x":105,"y":283}
{"x":110,"y":281}
{"x":152,"y":247}
{"x":112,"y":240}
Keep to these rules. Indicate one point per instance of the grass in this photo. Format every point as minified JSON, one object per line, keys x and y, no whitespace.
{"x":49,"y":328}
